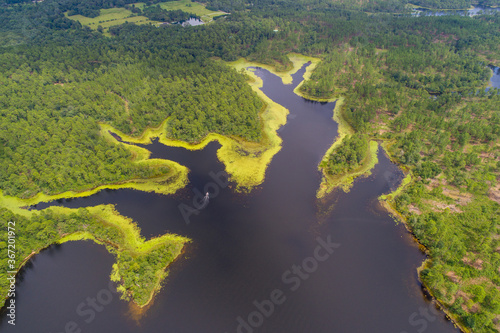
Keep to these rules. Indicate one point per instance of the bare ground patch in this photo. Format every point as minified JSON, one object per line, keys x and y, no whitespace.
{"x":494,"y":193}
{"x":438,"y":206}
{"x":453,"y":277}
{"x":461,"y":198}
{"x":414,"y":209}
{"x":435,"y":182}
{"x":477,"y":264}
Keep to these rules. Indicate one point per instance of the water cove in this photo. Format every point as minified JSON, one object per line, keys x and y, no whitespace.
{"x":274,"y":260}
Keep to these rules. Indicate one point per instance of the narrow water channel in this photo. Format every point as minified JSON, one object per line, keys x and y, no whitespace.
{"x":249,"y":249}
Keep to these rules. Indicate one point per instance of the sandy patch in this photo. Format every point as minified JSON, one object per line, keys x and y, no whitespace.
{"x":477,"y":264}
{"x":453,"y":277}
{"x":414,"y":209}
{"x":494,"y":193}
{"x":441,"y":206}
{"x":461,"y":198}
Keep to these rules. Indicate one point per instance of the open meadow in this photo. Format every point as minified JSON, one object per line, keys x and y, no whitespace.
{"x":111,"y":17}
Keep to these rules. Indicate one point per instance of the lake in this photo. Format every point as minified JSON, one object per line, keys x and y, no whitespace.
{"x":274,"y":260}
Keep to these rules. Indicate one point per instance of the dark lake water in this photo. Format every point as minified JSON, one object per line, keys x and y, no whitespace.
{"x":248,"y":251}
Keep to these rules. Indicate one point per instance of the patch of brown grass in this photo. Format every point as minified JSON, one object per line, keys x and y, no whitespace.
{"x":453,"y":277}
{"x":438,"y":206}
{"x":477,"y":264}
{"x":494,"y":193}
{"x":414,"y":209}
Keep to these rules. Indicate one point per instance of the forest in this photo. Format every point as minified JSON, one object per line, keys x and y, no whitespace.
{"x":348,"y":156}
{"x":417,"y":84}
{"x":55,"y":112}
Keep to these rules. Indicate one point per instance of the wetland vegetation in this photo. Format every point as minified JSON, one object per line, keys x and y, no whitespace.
{"x":417,"y":84}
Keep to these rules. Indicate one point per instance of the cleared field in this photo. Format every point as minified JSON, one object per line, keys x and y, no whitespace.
{"x":111,"y":17}
{"x":188,"y":6}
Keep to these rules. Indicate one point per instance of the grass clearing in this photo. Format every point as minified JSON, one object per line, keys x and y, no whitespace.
{"x":188,"y":6}
{"x":111,"y":17}
{"x":117,"y":16}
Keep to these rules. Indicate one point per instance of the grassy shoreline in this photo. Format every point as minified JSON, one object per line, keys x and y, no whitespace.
{"x":131,"y":243}
{"x":121,"y":237}
{"x":167,"y":183}
{"x":246,"y":162}
{"x":345,"y":180}
{"x":328,"y":183}
{"x":387,"y":202}
{"x":307,"y":76}
{"x":298,"y":60}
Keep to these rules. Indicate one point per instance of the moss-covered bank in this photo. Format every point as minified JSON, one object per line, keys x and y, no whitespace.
{"x":246,"y":162}
{"x":387,"y":201}
{"x":140,"y":265}
{"x":345,"y":180}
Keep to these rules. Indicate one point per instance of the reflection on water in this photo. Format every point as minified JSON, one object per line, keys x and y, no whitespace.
{"x":259,"y":262}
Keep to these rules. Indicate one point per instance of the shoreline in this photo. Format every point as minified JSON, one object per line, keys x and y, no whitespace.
{"x":168,"y":183}
{"x":246,"y":170}
{"x":328,"y":184}
{"x":16,"y":204}
{"x":132,"y":243}
{"x":345,"y":180}
{"x":386,"y":202}
{"x":128,"y":242}
{"x":399,"y":218}
{"x":246,"y":162}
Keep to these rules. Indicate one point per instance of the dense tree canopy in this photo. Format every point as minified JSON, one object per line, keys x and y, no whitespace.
{"x":417,"y":83}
